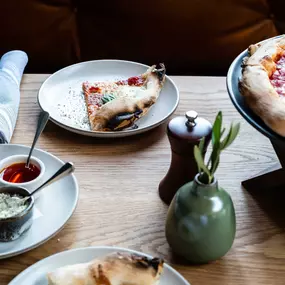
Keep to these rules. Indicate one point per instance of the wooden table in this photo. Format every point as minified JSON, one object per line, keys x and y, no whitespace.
{"x":119,"y":204}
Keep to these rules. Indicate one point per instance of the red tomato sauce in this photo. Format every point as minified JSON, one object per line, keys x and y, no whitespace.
{"x":278,"y":77}
{"x":19,"y":173}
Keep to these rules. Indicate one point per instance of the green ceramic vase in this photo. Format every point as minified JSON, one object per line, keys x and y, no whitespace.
{"x":201,"y":222}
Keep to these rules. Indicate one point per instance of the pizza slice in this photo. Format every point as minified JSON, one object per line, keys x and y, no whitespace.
{"x":114,"y":106}
{"x":262,"y":83}
{"x":113,"y":269}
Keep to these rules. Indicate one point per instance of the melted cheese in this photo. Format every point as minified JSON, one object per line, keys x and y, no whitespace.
{"x":120,"y":91}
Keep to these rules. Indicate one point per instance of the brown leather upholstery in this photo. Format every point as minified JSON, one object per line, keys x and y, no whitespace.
{"x":191,"y":37}
{"x":46,"y":30}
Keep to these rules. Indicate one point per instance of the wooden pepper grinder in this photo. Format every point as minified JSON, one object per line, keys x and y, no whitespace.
{"x":183,"y":134}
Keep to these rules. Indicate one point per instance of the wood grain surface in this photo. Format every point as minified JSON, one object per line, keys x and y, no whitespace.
{"x":119,"y":203}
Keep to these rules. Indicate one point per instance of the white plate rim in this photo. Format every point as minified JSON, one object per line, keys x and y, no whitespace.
{"x":122,"y":133}
{"x":15,"y":253}
{"x":114,"y":248}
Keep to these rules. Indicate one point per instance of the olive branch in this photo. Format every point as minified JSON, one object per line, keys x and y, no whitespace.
{"x":207,"y":171}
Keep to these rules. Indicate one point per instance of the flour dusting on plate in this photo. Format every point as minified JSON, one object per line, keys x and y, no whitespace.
{"x":72,"y":110}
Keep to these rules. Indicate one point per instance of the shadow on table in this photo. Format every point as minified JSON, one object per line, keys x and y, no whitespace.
{"x":181,"y":261}
{"x":50,"y":247}
{"x":61,"y":136}
{"x":272,"y":202}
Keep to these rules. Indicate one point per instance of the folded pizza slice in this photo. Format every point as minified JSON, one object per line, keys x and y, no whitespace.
{"x":114,"y":106}
{"x":113,"y":269}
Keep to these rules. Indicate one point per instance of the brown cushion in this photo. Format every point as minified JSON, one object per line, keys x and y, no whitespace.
{"x":46,"y":30}
{"x":191,"y":37}
{"x":277,"y":8}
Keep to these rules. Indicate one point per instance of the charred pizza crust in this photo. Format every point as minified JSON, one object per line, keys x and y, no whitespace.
{"x":124,"y":111}
{"x":113,"y":269}
{"x":256,"y":87}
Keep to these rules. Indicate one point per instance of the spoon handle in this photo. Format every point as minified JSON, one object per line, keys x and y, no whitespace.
{"x":43,"y":119}
{"x":63,"y":171}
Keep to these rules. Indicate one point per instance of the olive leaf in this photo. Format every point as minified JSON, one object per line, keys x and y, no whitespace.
{"x":201,"y":146}
{"x":216,"y":135}
{"x":208,"y":170}
{"x":223,"y":131}
{"x":200,"y":161}
{"x":215,"y":166}
{"x":234,"y":130}
{"x":216,"y":131}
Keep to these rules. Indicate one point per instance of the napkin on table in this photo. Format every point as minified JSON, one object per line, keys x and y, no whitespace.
{"x":12,"y":65}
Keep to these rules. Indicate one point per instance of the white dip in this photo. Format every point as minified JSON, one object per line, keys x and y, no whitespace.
{"x":11,"y":205}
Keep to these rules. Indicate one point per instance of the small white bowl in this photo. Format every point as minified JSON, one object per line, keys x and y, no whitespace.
{"x":31,"y":185}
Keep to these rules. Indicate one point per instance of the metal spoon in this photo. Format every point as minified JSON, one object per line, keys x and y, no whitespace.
{"x":67,"y":168}
{"x":42,"y":121}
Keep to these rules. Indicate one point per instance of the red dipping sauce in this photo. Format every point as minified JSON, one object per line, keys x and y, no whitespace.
{"x":19,"y":173}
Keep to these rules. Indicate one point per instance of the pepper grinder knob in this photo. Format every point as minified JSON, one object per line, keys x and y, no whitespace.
{"x":191,"y":117}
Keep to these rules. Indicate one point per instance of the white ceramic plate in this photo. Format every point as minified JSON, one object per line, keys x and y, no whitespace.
{"x":53,"y":207}
{"x":36,"y":274}
{"x":61,"y":96}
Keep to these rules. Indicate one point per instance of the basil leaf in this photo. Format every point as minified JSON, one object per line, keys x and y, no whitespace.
{"x":107,"y":98}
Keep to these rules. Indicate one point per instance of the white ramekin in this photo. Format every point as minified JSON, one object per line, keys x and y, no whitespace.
{"x":31,"y":185}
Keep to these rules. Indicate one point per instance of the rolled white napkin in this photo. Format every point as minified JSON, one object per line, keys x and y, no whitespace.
{"x":12,"y":65}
